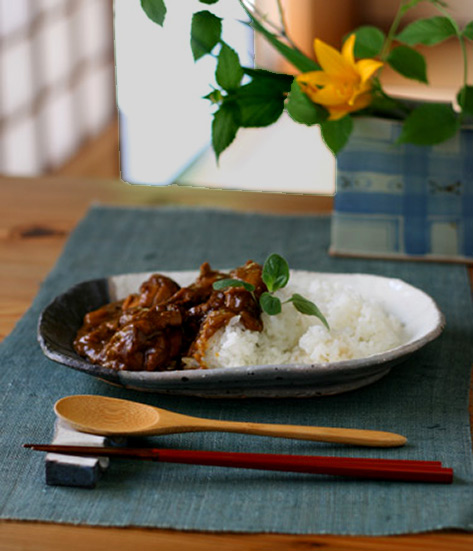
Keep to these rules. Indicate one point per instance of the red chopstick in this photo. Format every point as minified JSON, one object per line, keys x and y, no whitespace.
{"x":367,"y":468}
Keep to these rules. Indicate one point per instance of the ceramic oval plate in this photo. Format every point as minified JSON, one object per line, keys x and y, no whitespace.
{"x":420,"y":316}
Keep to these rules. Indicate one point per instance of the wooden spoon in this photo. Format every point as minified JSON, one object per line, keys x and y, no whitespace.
{"x":111,"y":416}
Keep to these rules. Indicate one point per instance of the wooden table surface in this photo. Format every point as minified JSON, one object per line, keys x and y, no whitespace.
{"x":36,"y":217}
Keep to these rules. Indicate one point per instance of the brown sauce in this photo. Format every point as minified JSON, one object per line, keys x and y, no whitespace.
{"x":154,"y":329}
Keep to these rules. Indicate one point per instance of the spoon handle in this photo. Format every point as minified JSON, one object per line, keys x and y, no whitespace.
{"x":357,"y":437}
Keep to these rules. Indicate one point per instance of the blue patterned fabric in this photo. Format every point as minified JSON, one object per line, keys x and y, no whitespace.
{"x":403,"y":200}
{"x":425,"y":398}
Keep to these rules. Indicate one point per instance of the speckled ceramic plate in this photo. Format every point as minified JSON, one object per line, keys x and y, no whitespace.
{"x":419,"y":314}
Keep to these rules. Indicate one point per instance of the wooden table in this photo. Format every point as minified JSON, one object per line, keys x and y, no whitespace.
{"x":36,"y":217}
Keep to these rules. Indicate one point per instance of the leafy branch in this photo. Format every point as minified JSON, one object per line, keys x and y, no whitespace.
{"x":248,"y":98}
{"x":429,"y":123}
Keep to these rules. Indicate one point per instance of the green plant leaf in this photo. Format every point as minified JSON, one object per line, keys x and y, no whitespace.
{"x":260,"y":103}
{"x":388,"y":107}
{"x":409,"y":63}
{"x":406,"y":6}
{"x":307,"y":307}
{"x":229,"y":72}
{"x":429,"y":124}
{"x":465,"y":99}
{"x":256,"y":113}
{"x":208,"y":1}
{"x":369,"y":41}
{"x":302,"y":109}
{"x":229,"y":282}
{"x":296,"y":57}
{"x":275,"y":272}
{"x":225,"y":125}
{"x":337,"y":133}
{"x":155,"y":10}
{"x":427,"y":31}
{"x":468,"y":31}
{"x":206,"y":30}
{"x":270,"y":304}
{"x":412,"y":4}
{"x":279,"y":82}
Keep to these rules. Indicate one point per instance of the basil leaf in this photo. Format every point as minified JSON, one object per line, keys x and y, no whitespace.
{"x":369,"y":41}
{"x":409,"y":63}
{"x":429,"y":124}
{"x":427,"y":31}
{"x":302,"y":109}
{"x":229,"y":72}
{"x":270,"y":304}
{"x":337,"y":133}
{"x":305,"y":306}
{"x":225,"y":283}
{"x":275,"y":272}
{"x":465,"y":99}
{"x":225,"y":125}
{"x":206,"y":29}
{"x":155,"y":10}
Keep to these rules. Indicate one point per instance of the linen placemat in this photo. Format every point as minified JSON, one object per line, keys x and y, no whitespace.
{"x":425,"y":398}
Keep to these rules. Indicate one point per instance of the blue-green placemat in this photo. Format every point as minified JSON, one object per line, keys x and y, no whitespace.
{"x":426,"y":398}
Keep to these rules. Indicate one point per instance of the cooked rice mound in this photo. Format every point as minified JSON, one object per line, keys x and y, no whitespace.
{"x":358,"y":328}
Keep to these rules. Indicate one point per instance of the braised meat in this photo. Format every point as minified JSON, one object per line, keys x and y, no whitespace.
{"x":135,"y":333}
{"x":154,"y":329}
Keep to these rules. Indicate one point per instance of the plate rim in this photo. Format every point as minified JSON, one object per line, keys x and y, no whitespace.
{"x":245,"y":373}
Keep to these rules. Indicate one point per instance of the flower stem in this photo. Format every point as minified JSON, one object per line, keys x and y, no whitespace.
{"x":392,"y":31}
{"x":402,"y":9}
{"x":461,"y":40}
{"x":281,"y":31}
{"x":282,"y":19}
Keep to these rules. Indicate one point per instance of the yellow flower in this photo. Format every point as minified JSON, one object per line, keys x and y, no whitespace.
{"x":344,"y":85}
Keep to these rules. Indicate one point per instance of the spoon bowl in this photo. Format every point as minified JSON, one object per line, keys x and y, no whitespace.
{"x":115,"y":417}
{"x":106,"y":416}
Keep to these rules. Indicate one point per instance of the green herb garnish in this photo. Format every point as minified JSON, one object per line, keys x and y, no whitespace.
{"x":224,"y":283}
{"x":276,"y":276}
{"x":275,"y":272}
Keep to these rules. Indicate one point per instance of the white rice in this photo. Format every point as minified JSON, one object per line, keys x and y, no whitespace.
{"x":358,"y":328}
